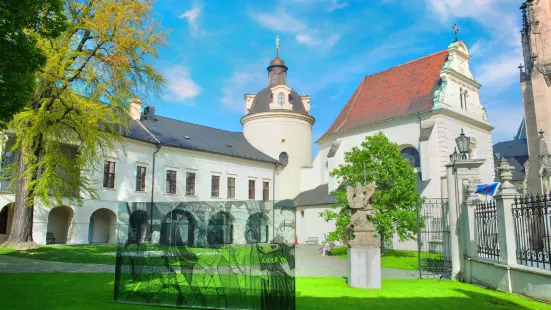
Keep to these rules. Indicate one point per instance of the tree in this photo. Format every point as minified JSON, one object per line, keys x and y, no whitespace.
{"x":79,"y":108}
{"x":23,"y":21}
{"x":394,"y":200}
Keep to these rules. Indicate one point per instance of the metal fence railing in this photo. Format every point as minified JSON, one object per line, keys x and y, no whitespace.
{"x":485,"y":214}
{"x":532,"y":218}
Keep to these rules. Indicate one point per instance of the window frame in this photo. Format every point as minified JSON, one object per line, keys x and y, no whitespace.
{"x":140,"y":178}
{"x":230,"y":188}
{"x":252,"y":194}
{"x":266,"y":191}
{"x":171,"y":181}
{"x":286,"y":158}
{"x":190,"y":191}
{"x":215,"y":186}
{"x":108,"y":174}
{"x":281,"y":98}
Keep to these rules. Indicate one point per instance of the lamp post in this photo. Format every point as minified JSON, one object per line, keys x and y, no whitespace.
{"x":463,"y":142}
{"x":455,"y":156}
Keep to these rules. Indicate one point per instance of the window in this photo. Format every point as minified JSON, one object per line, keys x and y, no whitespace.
{"x":412,"y":156}
{"x":251,"y":189}
{"x":231,"y":187}
{"x":266,"y":191}
{"x":190,"y":183}
{"x":140,"y":179}
{"x":284,"y":159}
{"x":171,"y":182}
{"x":274,"y":79}
{"x":281,"y":98}
{"x":109,"y":174}
{"x":215,"y":186}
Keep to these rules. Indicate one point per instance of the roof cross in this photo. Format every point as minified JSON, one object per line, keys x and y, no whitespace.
{"x":455,"y":31}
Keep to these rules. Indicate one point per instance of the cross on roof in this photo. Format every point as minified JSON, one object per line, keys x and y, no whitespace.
{"x":455,"y":31}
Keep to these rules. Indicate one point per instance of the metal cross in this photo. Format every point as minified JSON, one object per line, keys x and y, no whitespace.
{"x":455,"y":31}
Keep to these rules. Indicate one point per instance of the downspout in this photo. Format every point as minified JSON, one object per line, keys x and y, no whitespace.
{"x":273,"y":202}
{"x":158,"y":145}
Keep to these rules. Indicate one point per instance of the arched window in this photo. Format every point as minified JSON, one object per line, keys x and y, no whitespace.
{"x":412,"y":156}
{"x":284,"y":158}
{"x":274,"y":79}
{"x":281,"y":98}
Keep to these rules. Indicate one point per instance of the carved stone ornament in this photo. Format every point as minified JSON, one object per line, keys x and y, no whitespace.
{"x":364,"y":230}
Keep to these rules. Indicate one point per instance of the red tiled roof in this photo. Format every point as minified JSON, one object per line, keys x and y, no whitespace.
{"x":405,"y":89}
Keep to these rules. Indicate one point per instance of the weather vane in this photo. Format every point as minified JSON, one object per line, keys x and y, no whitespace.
{"x":277,"y":45}
{"x":455,"y":30}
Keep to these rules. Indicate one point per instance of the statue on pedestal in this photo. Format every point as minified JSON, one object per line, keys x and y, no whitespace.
{"x":364,"y":230}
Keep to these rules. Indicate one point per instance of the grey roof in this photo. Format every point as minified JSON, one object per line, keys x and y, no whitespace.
{"x":317,"y":196}
{"x":512,"y":148}
{"x":334,"y":147}
{"x":425,"y":133}
{"x":521,"y":132}
{"x":262,"y":100}
{"x":175,"y":133}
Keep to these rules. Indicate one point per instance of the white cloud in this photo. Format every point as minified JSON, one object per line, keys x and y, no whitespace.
{"x":326,"y":5}
{"x":181,"y":87}
{"x":281,"y":21}
{"x":506,"y":118}
{"x":192,"y":15}
{"x":500,"y":73}
{"x":247,"y":80}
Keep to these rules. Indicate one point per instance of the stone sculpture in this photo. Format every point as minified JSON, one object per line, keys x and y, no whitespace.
{"x":359,"y":202}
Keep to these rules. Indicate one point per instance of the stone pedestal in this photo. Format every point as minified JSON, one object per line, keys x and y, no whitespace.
{"x":364,"y":267}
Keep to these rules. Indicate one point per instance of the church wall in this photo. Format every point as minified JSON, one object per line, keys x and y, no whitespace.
{"x":273,"y":134}
{"x":312,"y":224}
{"x":533,"y":183}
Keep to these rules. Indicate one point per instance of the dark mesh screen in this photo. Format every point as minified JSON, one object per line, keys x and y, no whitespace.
{"x":227,"y":255}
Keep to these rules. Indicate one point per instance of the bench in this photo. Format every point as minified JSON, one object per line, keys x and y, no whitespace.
{"x":312,"y":240}
{"x":50,"y":239}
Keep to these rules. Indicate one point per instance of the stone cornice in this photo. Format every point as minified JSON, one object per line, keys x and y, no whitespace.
{"x":451,"y":72}
{"x":464,"y":118}
{"x":278,"y":114}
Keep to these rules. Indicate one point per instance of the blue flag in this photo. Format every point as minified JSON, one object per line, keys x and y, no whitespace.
{"x":487,"y":189}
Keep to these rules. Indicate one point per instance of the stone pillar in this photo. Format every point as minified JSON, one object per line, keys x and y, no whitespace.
{"x":468,"y":237}
{"x":506,"y":225}
{"x":451,"y":177}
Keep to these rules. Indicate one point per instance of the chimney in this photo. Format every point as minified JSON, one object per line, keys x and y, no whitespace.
{"x":135,"y":108}
{"x":149,"y":113}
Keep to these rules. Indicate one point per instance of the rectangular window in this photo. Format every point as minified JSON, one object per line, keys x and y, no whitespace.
{"x":190,"y":184}
{"x":140,"y":179}
{"x":231,"y":187}
{"x":251,"y":189}
{"x":171,"y":182}
{"x":266,"y":191}
{"x":215,"y":186}
{"x":109,"y":174}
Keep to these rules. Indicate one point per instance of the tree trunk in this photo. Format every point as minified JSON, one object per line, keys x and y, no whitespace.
{"x":22,"y":224}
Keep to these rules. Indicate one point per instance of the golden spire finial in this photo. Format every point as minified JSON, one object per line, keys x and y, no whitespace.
{"x":277,"y":45}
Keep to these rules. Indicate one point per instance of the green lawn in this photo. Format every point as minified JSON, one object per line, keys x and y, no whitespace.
{"x":95,"y":291}
{"x":392,"y":258}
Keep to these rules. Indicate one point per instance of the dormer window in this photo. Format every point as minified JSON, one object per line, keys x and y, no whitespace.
{"x":281,"y":99}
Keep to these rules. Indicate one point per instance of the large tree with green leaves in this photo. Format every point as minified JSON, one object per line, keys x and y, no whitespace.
{"x":22,"y":23}
{"x":394,"y":200}
{"x":92,"y":71}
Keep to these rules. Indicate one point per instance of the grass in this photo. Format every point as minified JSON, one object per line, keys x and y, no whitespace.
{"x":95,"y":291}
{"x":392,"y":258}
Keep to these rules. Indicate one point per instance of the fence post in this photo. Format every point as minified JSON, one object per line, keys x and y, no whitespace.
{"x":506,"y":225}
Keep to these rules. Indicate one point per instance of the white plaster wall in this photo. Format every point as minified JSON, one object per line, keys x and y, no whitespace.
{"x":276,"y":133}
{"x":311,"y":224}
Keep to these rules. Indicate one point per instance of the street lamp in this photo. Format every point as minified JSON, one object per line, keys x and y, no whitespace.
{"x":463,"y":142}
{"x":455,"y":156}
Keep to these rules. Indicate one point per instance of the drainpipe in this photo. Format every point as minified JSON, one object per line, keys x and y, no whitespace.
{"x":273,"y":202}
{"x":158,"y":145}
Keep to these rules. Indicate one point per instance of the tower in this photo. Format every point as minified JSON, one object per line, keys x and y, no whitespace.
{"x":277,"y":121}
{"x":535,"y":81}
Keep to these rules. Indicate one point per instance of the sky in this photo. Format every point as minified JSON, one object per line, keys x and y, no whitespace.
{"x":218,"y":51}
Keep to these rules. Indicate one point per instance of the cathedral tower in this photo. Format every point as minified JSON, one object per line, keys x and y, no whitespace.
{"x":277,"y":121}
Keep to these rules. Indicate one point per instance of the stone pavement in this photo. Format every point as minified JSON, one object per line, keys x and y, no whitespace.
{"x":308,"y":263}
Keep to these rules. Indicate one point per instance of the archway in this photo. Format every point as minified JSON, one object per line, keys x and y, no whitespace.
{"x":59,"y":221}
{"x":220,"y":229}
{"x":178,"y":228}
{"x":6,"y":216}
{"x":257,"y":228}
{"x":101,"y":223}
{"x":137,"y":230}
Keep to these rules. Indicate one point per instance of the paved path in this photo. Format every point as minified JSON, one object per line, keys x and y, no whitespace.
{"x":308,"y":263}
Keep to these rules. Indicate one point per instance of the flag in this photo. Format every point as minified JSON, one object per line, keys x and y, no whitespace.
{"x":487,"y":189}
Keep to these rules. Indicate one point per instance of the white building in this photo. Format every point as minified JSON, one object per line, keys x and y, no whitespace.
{"x":421,"y":105}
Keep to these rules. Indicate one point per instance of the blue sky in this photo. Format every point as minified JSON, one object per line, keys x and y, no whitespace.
{"x":219,"y":50}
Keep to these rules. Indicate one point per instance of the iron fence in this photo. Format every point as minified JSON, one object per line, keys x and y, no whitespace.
{"x":532,"y":218}
{"x":433,"y":239}
{"x":485,"y":214}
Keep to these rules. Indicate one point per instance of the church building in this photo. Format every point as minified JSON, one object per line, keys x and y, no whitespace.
{"x":421,"y":105}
